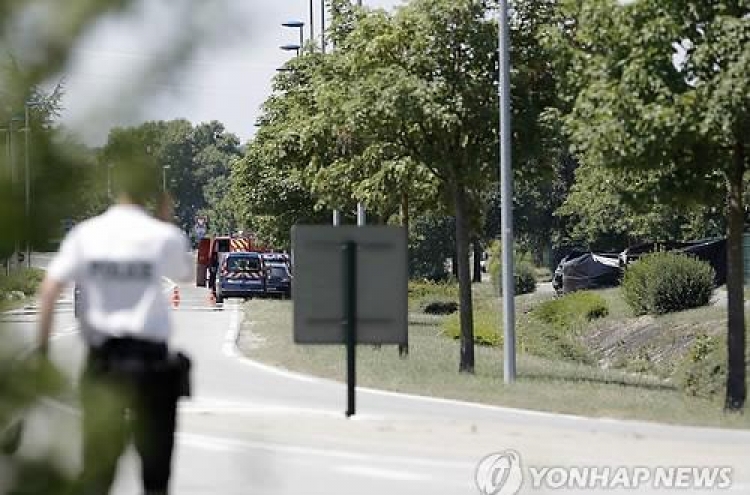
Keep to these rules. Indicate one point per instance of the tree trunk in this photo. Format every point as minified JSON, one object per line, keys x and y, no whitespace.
{"x":454,"y":264}
{"x":403,"y":349}
{"x":477,"y":260}
{"x":464,"y":280}
{"x":736,"y":386}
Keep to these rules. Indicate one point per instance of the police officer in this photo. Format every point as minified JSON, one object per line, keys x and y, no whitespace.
{"x":131,"y":380}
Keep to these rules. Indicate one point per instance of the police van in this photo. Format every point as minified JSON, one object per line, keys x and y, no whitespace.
{"x":212,"y":249}
{"x":241,"y":274}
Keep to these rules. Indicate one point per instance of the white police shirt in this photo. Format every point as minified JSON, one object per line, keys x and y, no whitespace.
{"x":119,"y":260}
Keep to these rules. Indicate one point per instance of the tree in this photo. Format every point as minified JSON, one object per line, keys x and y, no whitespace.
{"x":47,"y":38}
{"x":608,"y":209}
{"x":662,"y":85}
{"x":195,"y":163}
{"x":425,"y":87}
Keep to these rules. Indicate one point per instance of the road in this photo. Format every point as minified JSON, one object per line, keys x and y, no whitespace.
{"x":252,"y":429}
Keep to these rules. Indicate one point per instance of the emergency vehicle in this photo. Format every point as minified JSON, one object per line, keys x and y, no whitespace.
{"x":278,"y":274}
{"x":241,"y":274}
{"x":215,"y":248}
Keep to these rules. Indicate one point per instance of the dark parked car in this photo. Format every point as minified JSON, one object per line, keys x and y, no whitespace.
{"x":278,"y":279}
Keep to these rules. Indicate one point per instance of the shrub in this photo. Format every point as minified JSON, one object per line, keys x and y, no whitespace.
{"x":524,"y":274}
{"x":572,"y":309}
{"x":486,"y":327}
{"x":25,"y":280}
{"x":443,"y":307}
{"x":703,"y":371}
{"x":662,"y":283}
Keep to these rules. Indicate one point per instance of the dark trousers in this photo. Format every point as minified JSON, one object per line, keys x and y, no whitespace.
{"x":126,"y":397}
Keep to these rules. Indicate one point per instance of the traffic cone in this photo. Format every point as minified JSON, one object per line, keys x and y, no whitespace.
{"x":175,"y":297}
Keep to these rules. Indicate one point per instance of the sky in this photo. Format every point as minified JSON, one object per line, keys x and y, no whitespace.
{"x":201,"y":60}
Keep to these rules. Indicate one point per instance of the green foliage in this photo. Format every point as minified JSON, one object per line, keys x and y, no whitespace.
{"x":662,"y":86}
{"x":524,"y":276}
{"x":431,"y":242}
{"x":572,"y":309}
{"x":25,"y":280}
{"x":487,"y":327}
{"x":666,"y":282}
{"x":192,"y":162}
{"x":608,"y":209}
{"x":703,"y":371}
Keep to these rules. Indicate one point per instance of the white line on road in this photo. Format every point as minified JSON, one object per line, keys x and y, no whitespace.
{"x":230,"y":349}
{"x":233,"y":445}
{"x":389,"y":474}
{"x":201,"y":406}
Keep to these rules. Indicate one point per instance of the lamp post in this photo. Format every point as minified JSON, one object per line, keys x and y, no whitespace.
{"x":27,"y":174}
{"x":7,"y":131}
{"x":164,"y":178}
{"x":506,"y":197}
{"x":312,"y":21}
{"x":13,"y":179}
{"x":109,"y":182}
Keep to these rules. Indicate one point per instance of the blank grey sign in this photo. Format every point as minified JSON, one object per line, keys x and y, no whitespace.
{"x":318,"y":288}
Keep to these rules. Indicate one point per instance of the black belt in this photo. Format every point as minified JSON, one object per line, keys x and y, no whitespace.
{"x":141,"y":359}
{"x":130,"y":347}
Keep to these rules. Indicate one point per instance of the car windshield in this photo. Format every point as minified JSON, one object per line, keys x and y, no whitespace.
{"x":243,"y":264}
{"x":278,"y":271}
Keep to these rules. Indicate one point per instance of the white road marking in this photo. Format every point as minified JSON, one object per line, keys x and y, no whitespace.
{"x":230,"y":338}
{"x":230,"y":349}
{"x":389,"y":474}
{"x":206,"y":405}
{"x":234,"y":445}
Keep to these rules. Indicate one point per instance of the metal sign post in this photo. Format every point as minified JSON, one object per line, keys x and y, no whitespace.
{"x":350,"y":288}
{"x":350,"y":324}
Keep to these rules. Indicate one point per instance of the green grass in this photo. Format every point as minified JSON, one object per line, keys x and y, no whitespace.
{"x":422,"y":293}
{"x":544,"y":383}
{"x":25,"y":281}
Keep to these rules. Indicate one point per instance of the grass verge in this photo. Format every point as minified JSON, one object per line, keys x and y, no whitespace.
{"x":19,"y":285}
{"x":431,"y":369}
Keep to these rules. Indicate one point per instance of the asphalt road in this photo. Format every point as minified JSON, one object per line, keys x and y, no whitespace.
{"x":251,"y":429}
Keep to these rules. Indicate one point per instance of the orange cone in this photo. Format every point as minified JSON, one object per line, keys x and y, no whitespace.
{"x":175,"y":297}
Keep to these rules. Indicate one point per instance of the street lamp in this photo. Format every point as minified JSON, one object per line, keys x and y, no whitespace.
{"x":109,"y":181}
{"x":299,"y":25}
{"x":13,"y":175}
{"x":27,"y":172}
{"x":506,"y":196}
{"x":291,"y":47}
